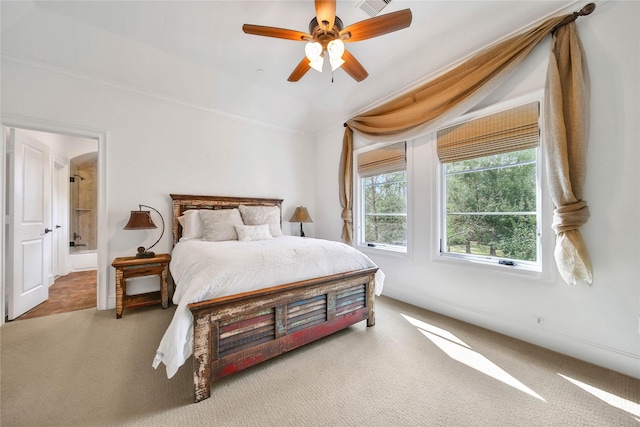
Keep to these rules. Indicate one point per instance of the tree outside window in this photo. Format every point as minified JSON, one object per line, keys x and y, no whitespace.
{"x":385,"y":209}
{"x":491,"y":206}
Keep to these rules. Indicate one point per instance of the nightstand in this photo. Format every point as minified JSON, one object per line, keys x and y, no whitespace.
{"x":128,"y":267}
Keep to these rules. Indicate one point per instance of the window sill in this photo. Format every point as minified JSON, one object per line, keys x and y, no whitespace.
{"x":492,"y":264}
{"x":384,"y":250}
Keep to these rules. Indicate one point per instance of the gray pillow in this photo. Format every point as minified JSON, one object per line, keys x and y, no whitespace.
{"x":219,"y":225}
{"x":258,"y":215}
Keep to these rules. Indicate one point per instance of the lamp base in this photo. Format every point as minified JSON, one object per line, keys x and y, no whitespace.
{"x":144,"y":254}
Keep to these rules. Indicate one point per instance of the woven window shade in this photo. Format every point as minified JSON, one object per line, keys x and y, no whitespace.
{"x":391,"y":158}
{"x":511,"y":130}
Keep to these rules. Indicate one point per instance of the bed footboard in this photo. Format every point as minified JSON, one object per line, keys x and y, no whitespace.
{"x":235,"y":332}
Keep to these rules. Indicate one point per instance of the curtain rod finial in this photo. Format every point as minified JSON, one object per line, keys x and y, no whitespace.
{"x":587,"y":9}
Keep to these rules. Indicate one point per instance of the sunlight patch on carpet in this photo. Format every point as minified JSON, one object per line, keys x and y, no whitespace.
{"x":609,"y":398}
{"x":460,"y":351}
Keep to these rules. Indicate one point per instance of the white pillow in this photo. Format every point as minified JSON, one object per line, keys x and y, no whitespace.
{"x":258,"y":215}
{"x":248,"y":233}
{"x":219,"y":224}
{"x":191,"y":225}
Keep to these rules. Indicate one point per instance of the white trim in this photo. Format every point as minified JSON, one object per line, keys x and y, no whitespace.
{"x":544,"y":271}
{"x":357,"y":204}
{"x":14,"y":121}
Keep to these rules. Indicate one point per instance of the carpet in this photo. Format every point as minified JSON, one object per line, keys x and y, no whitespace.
{"x":413,"y":368}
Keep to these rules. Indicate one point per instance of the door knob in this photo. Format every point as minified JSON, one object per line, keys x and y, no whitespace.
{"x":46,"y":230}
{"x":58,"y":226}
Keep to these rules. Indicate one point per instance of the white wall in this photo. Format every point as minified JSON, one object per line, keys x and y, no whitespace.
{"x":599,"y":324}
{"x":155,"y":143}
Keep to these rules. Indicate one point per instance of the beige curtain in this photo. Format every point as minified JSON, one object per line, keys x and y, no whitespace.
{"x":455,"y":92}
{"x":346,"y":185}
{"x":434,"y":104}
{"x":566,"y":132}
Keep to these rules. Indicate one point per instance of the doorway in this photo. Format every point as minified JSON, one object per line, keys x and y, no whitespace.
{"x":66,"y":143}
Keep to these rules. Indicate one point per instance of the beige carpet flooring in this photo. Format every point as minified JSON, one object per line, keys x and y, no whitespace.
{"x":414,"y":368}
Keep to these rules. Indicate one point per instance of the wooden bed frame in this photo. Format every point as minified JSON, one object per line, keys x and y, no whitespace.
{"x":235,"y":332}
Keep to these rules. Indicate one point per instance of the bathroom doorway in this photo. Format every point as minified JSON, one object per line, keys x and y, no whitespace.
{"x":71,"y":206}
{"x":83,"y":205}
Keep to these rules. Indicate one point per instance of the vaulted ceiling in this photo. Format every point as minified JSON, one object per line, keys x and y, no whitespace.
{"x":254,"y":69}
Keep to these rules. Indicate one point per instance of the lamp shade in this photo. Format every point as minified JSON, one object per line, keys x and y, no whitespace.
{"x":140,"y":220}
{"x":301,"y":215}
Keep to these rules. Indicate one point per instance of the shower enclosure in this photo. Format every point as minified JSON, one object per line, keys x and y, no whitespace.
{"x":83,"y":210}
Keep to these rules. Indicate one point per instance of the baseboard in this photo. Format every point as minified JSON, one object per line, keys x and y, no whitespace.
{"x":592,"y":352}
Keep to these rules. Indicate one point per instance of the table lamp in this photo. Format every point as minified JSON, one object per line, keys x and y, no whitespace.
{"x":301,"y":215}
{"x":141,"y":220}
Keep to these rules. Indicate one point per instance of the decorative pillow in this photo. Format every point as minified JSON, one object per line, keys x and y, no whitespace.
{"x":249,"y":233}
{"x":218,"y":225}
{"x":258,"y":215}
{"x":191,"y":225}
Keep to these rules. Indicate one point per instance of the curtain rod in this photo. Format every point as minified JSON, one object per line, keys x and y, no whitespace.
{"x":570,"y":18}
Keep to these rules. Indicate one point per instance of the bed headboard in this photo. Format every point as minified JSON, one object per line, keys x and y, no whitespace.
{"x":182,"y":202}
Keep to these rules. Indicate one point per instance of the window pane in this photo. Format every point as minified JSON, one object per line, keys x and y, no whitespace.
{"x":388,"y":230}
{"x":385,"y":209}
{"x":503,"y":236}
{"x":511,"y":158}
{"x":491,"y":206}
{"x":386,"y":193}
{"x":502,"y":189}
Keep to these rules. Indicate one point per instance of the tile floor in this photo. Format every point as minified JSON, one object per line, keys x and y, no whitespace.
{"x":75,"y":291}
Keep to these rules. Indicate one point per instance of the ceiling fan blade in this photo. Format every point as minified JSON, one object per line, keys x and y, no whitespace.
{"x":352,"y":67}
{"x":300,"y":70}
{"x":326,"y":12}
{"x":279,"y":33}
{"x":377,"y":26}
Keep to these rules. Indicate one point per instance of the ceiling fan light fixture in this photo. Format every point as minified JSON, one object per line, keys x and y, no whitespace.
{"x":313,"y":50}
{"x":335,"y":48}
{"x":335,"y":63}
{"x":317,"y":64}
{"x":327,"y":32}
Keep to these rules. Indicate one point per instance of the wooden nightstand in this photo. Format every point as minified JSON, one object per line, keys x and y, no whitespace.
{"x":128,"y":267}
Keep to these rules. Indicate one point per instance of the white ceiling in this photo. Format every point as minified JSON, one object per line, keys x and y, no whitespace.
{"x":210,"y":34}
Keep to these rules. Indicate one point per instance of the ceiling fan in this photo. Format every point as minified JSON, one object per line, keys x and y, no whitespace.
{"x":327,"y":34}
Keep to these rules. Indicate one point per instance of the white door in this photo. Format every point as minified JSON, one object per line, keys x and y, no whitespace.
{"x":31,"y":219}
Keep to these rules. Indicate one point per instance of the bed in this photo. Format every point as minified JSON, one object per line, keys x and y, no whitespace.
{"x":229,"y":320}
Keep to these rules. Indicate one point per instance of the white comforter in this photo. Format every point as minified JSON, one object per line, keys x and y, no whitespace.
{"x":203,"y":270}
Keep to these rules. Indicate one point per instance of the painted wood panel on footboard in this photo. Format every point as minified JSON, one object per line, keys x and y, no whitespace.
{"x":236,"y":332}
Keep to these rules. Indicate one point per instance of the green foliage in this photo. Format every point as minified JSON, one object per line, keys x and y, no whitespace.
{"x":494,"y":205}
{"x":385,"y":200}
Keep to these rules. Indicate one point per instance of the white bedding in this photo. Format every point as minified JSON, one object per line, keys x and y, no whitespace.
{"x":204,"y":270}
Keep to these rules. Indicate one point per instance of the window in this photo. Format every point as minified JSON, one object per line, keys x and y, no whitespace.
{"x":383,"y":197}
{"x":490,"y":195}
